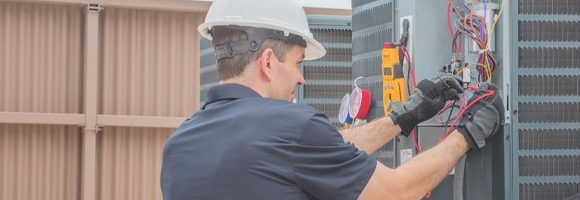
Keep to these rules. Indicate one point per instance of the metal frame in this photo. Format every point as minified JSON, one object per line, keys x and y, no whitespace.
{"x":42,"y":118}
{"x":91,"y":62}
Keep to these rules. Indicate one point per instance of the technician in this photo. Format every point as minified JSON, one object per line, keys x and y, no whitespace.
{"x":249,"y":142}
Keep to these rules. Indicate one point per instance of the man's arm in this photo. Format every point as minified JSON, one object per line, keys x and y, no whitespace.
{"x":419,"y":175}
{"x":422,"y":173}
{"x":428,"y":98}
{"x":371,"y":136}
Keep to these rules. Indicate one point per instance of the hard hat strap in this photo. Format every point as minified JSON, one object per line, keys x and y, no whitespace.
{"x":256,"y":37}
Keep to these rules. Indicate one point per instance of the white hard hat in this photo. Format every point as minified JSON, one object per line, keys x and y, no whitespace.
{"x":281,"y":15}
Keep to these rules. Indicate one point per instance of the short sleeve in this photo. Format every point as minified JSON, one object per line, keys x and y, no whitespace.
{"x":326,"y":167}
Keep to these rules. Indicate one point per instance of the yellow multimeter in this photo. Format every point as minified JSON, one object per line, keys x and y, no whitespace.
{"x":393,"y":78}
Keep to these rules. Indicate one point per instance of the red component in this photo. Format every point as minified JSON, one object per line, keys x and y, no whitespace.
{"x":472,"y":87}
{"x":360,"y":103}
{"x":365,"y":104}
{"x":387,"y":45}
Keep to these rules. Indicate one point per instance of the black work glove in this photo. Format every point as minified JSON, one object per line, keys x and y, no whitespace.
{"x":484,"y":118}
{"x":427,"y":100}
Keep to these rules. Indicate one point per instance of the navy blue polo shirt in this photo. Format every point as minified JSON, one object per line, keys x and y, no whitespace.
{"x":243,"y":146}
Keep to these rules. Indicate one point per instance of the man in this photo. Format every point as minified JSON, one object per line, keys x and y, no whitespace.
{"x":249,"y":142}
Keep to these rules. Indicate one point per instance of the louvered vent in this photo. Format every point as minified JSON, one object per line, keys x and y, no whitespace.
{"x":544,"y":191}
{"x":328,"y":78}
{"x":373,"y":25}
{"x":547,"y":139}
{"x":546,"y":123}
{"x":208,"y":71}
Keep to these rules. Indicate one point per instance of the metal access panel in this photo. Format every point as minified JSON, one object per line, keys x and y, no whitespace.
{"x":430,"y":49}
{"x":328,"y":78}
{"x":546,"y":91}
{"x":372,"y":25}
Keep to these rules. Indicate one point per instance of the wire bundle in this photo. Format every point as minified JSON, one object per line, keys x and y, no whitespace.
{"x":474,"y":27}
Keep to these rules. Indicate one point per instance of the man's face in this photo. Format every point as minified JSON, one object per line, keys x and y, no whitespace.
{"x":288,"y":75}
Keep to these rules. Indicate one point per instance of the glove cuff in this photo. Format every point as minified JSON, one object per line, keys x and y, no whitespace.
{"x":468,"y":138}
{"x":407,"y":122}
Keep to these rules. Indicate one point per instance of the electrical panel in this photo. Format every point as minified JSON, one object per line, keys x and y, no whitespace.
{"x":536,"y":64}
{"x":430,"y":52}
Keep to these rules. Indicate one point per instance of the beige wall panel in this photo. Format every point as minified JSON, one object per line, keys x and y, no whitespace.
{"x":40,"y":58}
{"x":150,"y":61}
{"x":39,"y":162}
{"x":129,"y":163}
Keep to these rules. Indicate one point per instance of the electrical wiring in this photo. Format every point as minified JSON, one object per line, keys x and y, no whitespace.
{"x":472,"y":26}
{"x":411,"y":70}
{"x":452,"y":105}
{"x":449,"y":116}
{"x":453,"y":46}
{"x":411,"y":73}
{"x":496,"y":18}
{"x":489,"y":93}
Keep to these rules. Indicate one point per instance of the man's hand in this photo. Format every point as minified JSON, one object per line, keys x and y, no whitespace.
{"x":484,"y":118}
{"x":427,"y":100}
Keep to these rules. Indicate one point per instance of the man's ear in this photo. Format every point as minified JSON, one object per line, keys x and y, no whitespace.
{"x":265,"y":64}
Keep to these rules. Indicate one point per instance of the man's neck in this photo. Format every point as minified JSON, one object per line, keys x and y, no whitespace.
{"x":254,"y":85}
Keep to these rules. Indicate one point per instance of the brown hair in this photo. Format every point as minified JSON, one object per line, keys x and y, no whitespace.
{"x":234,"y":66}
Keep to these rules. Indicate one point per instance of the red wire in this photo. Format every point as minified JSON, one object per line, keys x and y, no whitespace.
{"x":449,"y":18}
{"x":414,"y":132}
{"x":489,"y":93}
{"x":411,"y":70}
{"x":449,"y":22}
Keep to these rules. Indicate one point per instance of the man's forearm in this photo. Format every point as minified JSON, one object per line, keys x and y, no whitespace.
{"x":425,"y":171}
{"x":373,"y":135}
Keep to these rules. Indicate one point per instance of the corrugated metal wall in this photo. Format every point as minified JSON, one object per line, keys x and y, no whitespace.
{"x":148,"y":62}
{"x":41,"y":71}
{"x":39,"y":162}
{"x":149,"y":68}
{"x":129,"y":163}
{"x":40,"y":55}
{"x":148,"y":72}
{"x":546,"y":146}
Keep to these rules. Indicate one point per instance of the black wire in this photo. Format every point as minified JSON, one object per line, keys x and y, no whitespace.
{"x":454,"y":43}
{"x":449,"y":117}
{"x":408,"y":71}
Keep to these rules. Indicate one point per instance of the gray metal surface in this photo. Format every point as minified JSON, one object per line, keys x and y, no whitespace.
{"x":546,"y":139}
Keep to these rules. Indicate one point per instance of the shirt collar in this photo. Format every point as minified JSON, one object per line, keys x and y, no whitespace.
{"x":229,"y":91}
